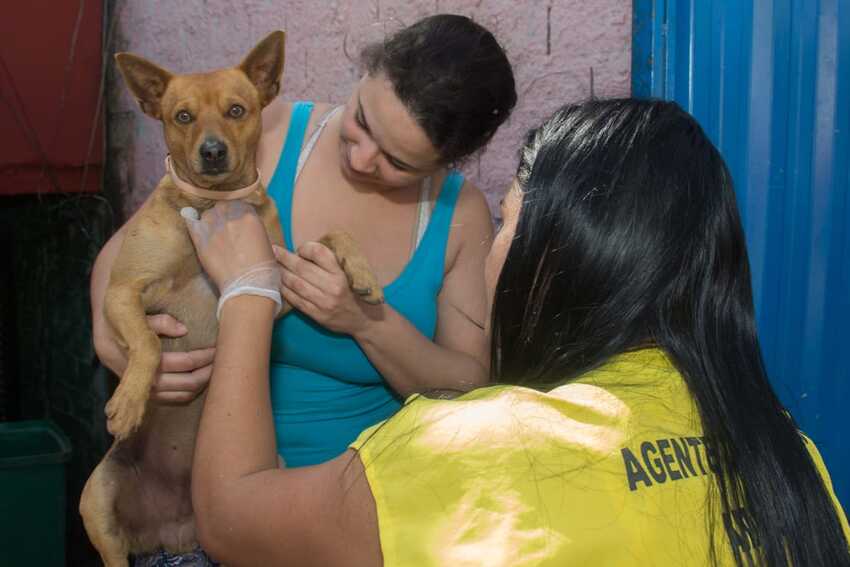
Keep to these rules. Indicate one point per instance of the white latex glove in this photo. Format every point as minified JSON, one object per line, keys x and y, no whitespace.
{"x":235,"y":251}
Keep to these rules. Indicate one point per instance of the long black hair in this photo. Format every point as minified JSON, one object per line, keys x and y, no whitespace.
{"x":629,"y":236}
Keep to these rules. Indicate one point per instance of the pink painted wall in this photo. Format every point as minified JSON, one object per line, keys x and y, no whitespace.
{"x":552,"y":45}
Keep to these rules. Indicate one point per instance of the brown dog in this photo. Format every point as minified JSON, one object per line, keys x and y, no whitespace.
{"x":138,"y":500}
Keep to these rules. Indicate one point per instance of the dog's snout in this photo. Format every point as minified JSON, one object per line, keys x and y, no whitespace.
{"x":213,"y":152}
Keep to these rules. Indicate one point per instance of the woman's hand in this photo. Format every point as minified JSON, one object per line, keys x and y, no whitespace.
{"x":182,"y":376}
{"x":313,"y":282}
{"x":230,"y":240}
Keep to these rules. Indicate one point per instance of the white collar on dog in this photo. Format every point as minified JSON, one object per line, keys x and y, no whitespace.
{"x":206,"y":193}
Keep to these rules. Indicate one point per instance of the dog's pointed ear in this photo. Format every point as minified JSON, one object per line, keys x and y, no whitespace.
{"x":146,"y":81}
{"x":264,"y":66}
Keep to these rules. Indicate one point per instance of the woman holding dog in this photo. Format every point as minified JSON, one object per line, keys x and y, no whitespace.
{"x":631,"y":421}
{"x":377,"y":168}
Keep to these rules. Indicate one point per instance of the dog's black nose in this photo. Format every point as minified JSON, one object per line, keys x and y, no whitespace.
{"x":213,"y":152}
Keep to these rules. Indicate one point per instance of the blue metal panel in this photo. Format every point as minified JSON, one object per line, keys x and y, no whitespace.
{"x":769,"y":80}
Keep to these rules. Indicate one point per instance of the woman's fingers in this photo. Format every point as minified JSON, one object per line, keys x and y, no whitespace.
{"x":166,"y":326}
{"x":194,"y":381}
{"x":305,"y":268}
{"x":301,"y":304}
{"x":313,"y":283}
{"x":183,"y":387}
{"x":198,"y":231}
{"x":186,"y":361}
{"x":305,"y":289}
{"x":320,"y":255}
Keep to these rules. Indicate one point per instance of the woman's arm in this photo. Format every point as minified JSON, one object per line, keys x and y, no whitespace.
{"x":248,"y":511}
{"x":457,"y":359}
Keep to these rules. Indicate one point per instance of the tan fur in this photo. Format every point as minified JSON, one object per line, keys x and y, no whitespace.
{"x":137,"y":499}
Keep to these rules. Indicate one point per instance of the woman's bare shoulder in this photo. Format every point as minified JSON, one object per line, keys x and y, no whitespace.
{"x":277,"y":114}
{"x":276,"y":118}
{"x":472,"y":200}
{"x":472,"y":225}
{"x":472,"y":208}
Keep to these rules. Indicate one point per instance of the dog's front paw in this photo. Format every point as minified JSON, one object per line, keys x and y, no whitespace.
{"x":124,"y":412}
{"x":361,"y":278}
{"x":362,"y":281}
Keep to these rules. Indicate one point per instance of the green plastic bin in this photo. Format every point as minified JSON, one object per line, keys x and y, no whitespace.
{"x":32,"y":494}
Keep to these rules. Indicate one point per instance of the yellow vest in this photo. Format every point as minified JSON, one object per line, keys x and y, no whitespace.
{"x":610,"y":469}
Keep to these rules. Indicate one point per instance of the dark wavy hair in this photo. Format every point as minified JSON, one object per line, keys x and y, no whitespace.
{"x":454,"y":78}
{"x":629,"y":236}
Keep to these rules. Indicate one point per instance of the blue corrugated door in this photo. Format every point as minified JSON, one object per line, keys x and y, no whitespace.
{"x":769,"y":80}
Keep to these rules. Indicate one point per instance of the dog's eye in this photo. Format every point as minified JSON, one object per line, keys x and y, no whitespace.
{"x":236,"y":111}
{"x":183,"y":117}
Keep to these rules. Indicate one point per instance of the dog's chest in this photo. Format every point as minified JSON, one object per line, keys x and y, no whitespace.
{"x":185,"y":292}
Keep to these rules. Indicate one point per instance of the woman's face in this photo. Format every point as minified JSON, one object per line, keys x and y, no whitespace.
{"x":510,"y":207}
{"x":381,"y":144}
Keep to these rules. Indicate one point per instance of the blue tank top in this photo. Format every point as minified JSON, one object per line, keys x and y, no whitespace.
{"x":324,"y":390}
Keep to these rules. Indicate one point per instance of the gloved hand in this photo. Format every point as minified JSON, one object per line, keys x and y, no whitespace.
{"x":235,"y":251}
